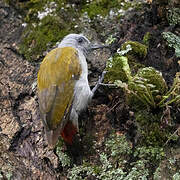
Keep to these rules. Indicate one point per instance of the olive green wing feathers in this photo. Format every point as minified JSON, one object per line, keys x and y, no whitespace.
{"x":56,"y":80}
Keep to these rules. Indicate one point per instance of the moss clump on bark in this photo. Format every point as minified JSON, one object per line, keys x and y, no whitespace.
{"x":138,"y":49}
{"x":37,"y":38}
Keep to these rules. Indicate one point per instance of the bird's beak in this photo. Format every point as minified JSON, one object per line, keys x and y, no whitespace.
{"x":93,"y":47}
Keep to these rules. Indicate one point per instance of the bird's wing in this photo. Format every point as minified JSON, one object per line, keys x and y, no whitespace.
{"x":56,"y":80}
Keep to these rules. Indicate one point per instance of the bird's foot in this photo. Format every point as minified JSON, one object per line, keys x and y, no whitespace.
{"x":101,"y":78}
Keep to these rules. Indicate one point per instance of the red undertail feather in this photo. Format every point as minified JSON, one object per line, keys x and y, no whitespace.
{"x":68,"y":132}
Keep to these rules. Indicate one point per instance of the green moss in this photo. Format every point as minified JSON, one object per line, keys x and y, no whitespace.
{"x":146,"y":89}
{"x":133,"y":54}
{"x":146,"y":39}
{"x":64,"y":159}
{"x":100,"y":7}
{"x":173,"y":41}
{"x":77,"y":172}
{"x":153,"y":77}
{"x":32,"y":8}
{"x":41,"y":34}
{"x":147,"y":94}
{"x":147,"y":159}
{"x":118,"y":146}
{"x":37,"y":38}
{"x":113,"y":161}
{"x":94,"y":9}
{"x":109,"y":170}
{"x":138,"y":49}
{"x":115,"y":70}
{"x":88,"y":144}
{"x":151,"y":128}
{"x":169,"y":168}
{"x":136,"y":53}
{"x":118,"y":149}
{"x":174,"y":16}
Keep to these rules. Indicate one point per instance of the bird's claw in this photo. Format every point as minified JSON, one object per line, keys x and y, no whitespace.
{"x":100,"y":80}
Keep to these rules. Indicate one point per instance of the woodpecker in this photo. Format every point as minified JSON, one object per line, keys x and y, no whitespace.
{"x":63,"y":88}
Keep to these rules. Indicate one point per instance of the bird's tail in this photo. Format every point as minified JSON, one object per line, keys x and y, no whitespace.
{"x":52,"y":137}
{"x":67,"y":134}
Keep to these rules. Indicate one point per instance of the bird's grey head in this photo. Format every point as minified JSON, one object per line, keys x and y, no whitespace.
{"x":77,"y":41}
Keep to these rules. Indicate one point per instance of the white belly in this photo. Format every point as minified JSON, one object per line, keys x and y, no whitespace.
{"x":82,"y":95}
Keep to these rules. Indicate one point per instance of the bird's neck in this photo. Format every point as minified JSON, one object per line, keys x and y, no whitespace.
{"x":84,"y":66}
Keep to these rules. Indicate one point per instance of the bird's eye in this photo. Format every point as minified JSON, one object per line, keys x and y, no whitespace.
{"x":80,"y":40}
